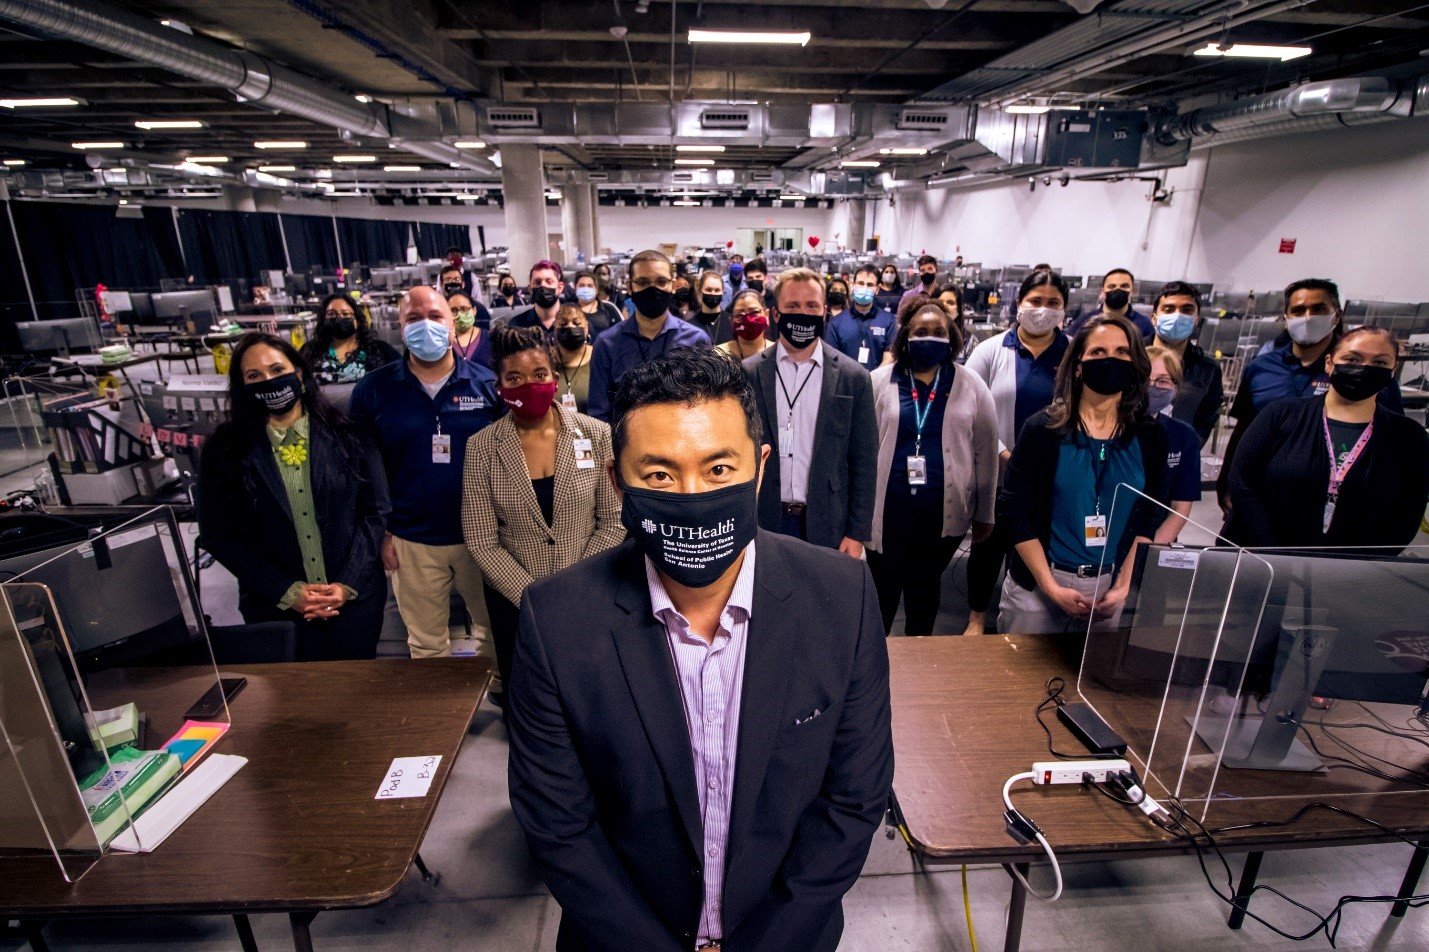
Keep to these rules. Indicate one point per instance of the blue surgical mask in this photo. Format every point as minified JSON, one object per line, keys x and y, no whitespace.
{"x":427,"y":340}
{"x":585,"y":295}
{"x":1174,"y":328}
{"x":863,"y":297}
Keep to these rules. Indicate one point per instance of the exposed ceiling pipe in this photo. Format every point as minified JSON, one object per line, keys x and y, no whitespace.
{"x":250,"y":77}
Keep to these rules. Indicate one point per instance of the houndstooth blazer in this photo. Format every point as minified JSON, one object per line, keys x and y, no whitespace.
{"x":501,"y":519}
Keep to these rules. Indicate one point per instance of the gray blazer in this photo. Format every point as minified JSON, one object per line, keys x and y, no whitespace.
{"x":844,"y":469}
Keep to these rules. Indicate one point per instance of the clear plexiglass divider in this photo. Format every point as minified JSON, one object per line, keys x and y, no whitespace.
{"x":1239,"y":675}
{"x":104,"y":651}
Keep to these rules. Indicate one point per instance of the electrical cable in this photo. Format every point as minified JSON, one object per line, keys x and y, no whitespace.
{"x":1029,"y":831}
{"x":968,"y":910}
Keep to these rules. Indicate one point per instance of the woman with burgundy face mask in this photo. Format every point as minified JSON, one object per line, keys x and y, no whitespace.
{"x":293,"y":501}
{"x":535,"y":495}
{"x":1073,"y":500}
{"x":1337,"y":469}
{"x":750,"y":324}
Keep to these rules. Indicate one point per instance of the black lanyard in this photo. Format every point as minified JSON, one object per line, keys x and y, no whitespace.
{"x":798,"y":393}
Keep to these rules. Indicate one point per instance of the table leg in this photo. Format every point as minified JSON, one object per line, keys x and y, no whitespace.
{"x":1242,"y":891}
{"x":302,"y":938}
{"x":428,"y":877}
{"x":1411,"y":880}
{"x":1015,"y":908}
{"x":245,"y":932}
{"x":35,"y":935}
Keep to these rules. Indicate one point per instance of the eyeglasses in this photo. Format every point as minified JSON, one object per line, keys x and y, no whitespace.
{"x":337,"y":315}
{"x":746,"y":315}
{"x":640,"y":284}
{"x":1163,"y":383}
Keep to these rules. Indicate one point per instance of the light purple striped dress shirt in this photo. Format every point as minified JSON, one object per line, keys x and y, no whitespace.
{"x":711,"y":677}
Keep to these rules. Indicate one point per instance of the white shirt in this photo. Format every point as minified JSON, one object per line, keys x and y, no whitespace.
{"x":802,"y":383}
{"x":435,"y":388}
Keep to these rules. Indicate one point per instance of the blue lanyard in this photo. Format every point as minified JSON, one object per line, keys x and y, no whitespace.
{"x":920,"y":413}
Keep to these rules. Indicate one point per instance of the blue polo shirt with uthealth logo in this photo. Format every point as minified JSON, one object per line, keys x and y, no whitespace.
{"x":391,"y":404}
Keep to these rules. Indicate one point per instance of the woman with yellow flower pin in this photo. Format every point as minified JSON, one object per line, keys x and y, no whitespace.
{"x":293,"y":501}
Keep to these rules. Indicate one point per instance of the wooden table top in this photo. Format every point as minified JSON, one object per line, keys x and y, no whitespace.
{"x":963,"y":723}
{"x":297,"y":827}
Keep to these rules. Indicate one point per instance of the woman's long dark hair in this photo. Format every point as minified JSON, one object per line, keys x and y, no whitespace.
{"x":1065,"y":413}
{"x":1043,"y":278}
{"x":323,"y":335}
{"x":247,"y":413}
{"x":897,"y":277}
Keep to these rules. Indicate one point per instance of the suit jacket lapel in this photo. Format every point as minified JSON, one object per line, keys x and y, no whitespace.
{"x":511,"y":459}
{"x":641,"y":643}
{"x":261,"y":458}
{"x":827,"y":394}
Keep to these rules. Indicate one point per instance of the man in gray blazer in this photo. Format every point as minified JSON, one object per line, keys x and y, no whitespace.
{"x":816,"y":405}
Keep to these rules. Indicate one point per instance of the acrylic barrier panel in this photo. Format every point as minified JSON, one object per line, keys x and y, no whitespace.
{"x":1331,"y":699}
{"x":1188,"y":618}
{"x":136,"y":659}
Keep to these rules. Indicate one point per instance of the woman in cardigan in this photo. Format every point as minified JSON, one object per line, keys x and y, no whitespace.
{"x":536,"y":497}
{"x":937,"y":466}
{"x":1285,"y":490}
{"x":1020,"y":368}
{"x":293,"y":502}
{"x":1072,"y":527}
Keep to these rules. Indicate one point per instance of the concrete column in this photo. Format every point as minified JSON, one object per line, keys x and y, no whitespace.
{"x":857,"y":220}
{"x":594,"y":196}
{"x":576,"y":221}
{"x":523,"y":187}
{"x":239,"y":198}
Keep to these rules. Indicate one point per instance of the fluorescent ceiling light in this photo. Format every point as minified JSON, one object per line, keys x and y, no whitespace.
{"x":401,"y":168}
{"x":699,"y":148}
{"x":792,"y":198}
{"x":750,"y":36}
{"x":13,"y":162}
{"x":277,"y":168}
{"x":124,"y":201}
{"x":685,"y":203}
{"x":470,"y":144}
{"x":362,"y":97}
{"x":96,"y":145}
{"x":1256,"y":51}
{"x":1026,"y":109}
{"x":902,"y":151}
{"x":207,"y":159}
{"x":354,"y":158}
{"x":40,"y":102}
{"x":694,"y":161}
{"x":859,"y":164}
{"x":151,"y":124}
{"x":280,"y":144}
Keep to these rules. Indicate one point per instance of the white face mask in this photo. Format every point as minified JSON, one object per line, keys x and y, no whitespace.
{"x":1039,"y":320}
{"x":1311,"y":329}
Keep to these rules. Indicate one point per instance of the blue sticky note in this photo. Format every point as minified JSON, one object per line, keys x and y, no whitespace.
{"x":185,"y":749}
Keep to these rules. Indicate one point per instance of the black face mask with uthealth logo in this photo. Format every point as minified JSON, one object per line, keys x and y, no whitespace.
{"x":691,"y":537}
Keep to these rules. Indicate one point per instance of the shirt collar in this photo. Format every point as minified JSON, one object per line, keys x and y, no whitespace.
{"x":816,"y":358}
{"x":740,"y":599}
{"x":631,"y":326}
{"x":299,"y":431}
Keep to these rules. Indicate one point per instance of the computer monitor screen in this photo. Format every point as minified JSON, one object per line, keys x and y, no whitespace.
{"x":176,"y":305}
{"x":63,"y":335}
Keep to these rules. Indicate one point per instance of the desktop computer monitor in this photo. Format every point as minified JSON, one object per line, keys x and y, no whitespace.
{"x":62,"y":336}
{"x":180,"y":305}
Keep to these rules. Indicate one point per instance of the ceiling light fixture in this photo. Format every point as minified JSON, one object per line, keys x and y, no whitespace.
{"x":686,"y":203}
{"x":1026,"y":109}
{"x":96,"y":145}
{"x":1255,"y":51}
{"x":362,"y":97}
{"x":694,"y":161}
{"x":39,"y":102}
{"x":902,"y":151}
{"x":470,"y":144}
{"x":277,"y":168}
{"x":699,"y":148}
{"x":786,"y":38}
{"x":152,"y":124}
{"x":859,"y":164}
{"x":792,"y":198}
{"x":206,"y":159}
{"x":14,"y":162}
{"x":354,"y":158}
{"x":280,"y":144}
{"x":401,"y":168}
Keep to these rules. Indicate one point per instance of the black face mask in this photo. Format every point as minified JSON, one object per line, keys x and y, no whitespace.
{"x":1359,"y":381}
{"x":342,"y":327}
{"x":800,"y":330}
{"x":711,"y":301}
{"x":692,"y":537}
{"x":544,"y":297}
{"x":927,"y":279}
{"x":508,"y":292}
{"x":837,"y":299}
{"x":570,"y":337}
{"x":278,"y":394}
{"x":453,"y":287}
{"x":754,"y":284}
{"x":1117,"y":299}
{"x":652,"y":301}
{"x":1108,"y":375}
{"x":684,"y":296}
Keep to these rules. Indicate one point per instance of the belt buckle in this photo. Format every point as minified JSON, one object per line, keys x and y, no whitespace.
{"x":1084,"y":571}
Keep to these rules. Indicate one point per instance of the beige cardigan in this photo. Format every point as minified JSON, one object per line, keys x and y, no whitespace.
{"x":969,"y":451}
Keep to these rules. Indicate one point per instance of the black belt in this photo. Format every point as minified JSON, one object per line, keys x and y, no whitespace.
{"x":1085,"y":571}
{"x":794,"y":508}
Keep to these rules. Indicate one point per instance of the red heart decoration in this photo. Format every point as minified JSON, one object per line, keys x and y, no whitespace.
{"x":813,"y":241}
{"x":729,"y":244}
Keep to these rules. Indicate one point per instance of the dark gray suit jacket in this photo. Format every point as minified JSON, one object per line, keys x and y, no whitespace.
{"x":843,"y":472}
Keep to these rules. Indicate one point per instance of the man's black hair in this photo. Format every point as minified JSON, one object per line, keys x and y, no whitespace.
{"x":686,"y":376}
{"x":1178,"y":289}
{"x":1314,"y":284}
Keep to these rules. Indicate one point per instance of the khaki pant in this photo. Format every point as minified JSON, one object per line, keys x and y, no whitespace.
{"x":423,"y":585}
{"x":1027,"y":612}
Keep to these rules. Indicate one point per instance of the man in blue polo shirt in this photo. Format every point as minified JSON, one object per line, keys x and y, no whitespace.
{"x":421,"y":412}
{"x":864,"y":331}
{"x":652,"y":332}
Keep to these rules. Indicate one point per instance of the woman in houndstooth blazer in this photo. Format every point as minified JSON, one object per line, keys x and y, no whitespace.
{"x":536,"y":497}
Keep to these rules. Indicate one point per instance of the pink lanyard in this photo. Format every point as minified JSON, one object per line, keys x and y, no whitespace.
{"x":1338,"y":471}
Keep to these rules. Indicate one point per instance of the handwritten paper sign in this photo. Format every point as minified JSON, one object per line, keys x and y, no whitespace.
{"x":408,"y":777}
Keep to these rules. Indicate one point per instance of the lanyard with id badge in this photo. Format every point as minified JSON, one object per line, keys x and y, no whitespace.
{"x":1338,"y":471}
{"x":786,"y":432}
{"x":585,"y":452}
{"x":441,"y":445}
{"x":1095,"y":525}
{"x":918,"y":463}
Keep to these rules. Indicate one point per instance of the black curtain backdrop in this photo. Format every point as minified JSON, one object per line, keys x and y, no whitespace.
{"x":310,"y":242}
{"x":433,"y":240}
{"x":373,"y":242}
{"x":224,"y":247}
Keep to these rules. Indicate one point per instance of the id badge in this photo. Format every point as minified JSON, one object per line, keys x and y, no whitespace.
{"x":1096,"y":532}
{"x":568,"y":400}
{"x":441,"y":447}
{"x":786,"y":440}
{"x":863,"y":354}
{"x":917,"y":471}
{"x":585,"y":453}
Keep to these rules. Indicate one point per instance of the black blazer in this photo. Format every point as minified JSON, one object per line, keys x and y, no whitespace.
{"x":603,"y":780}
{"x":843,"y":473}
{"x":1281,"y":474}
{"x":1024,"y":505}
{"x":246,"y":522}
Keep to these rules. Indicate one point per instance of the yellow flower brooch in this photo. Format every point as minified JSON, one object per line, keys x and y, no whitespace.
{"x":294,"y":454}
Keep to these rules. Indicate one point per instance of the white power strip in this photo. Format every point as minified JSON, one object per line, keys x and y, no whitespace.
{"x":1074,"y":771}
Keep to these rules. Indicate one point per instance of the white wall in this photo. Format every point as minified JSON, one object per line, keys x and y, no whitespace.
{"x":1351,"y":198}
